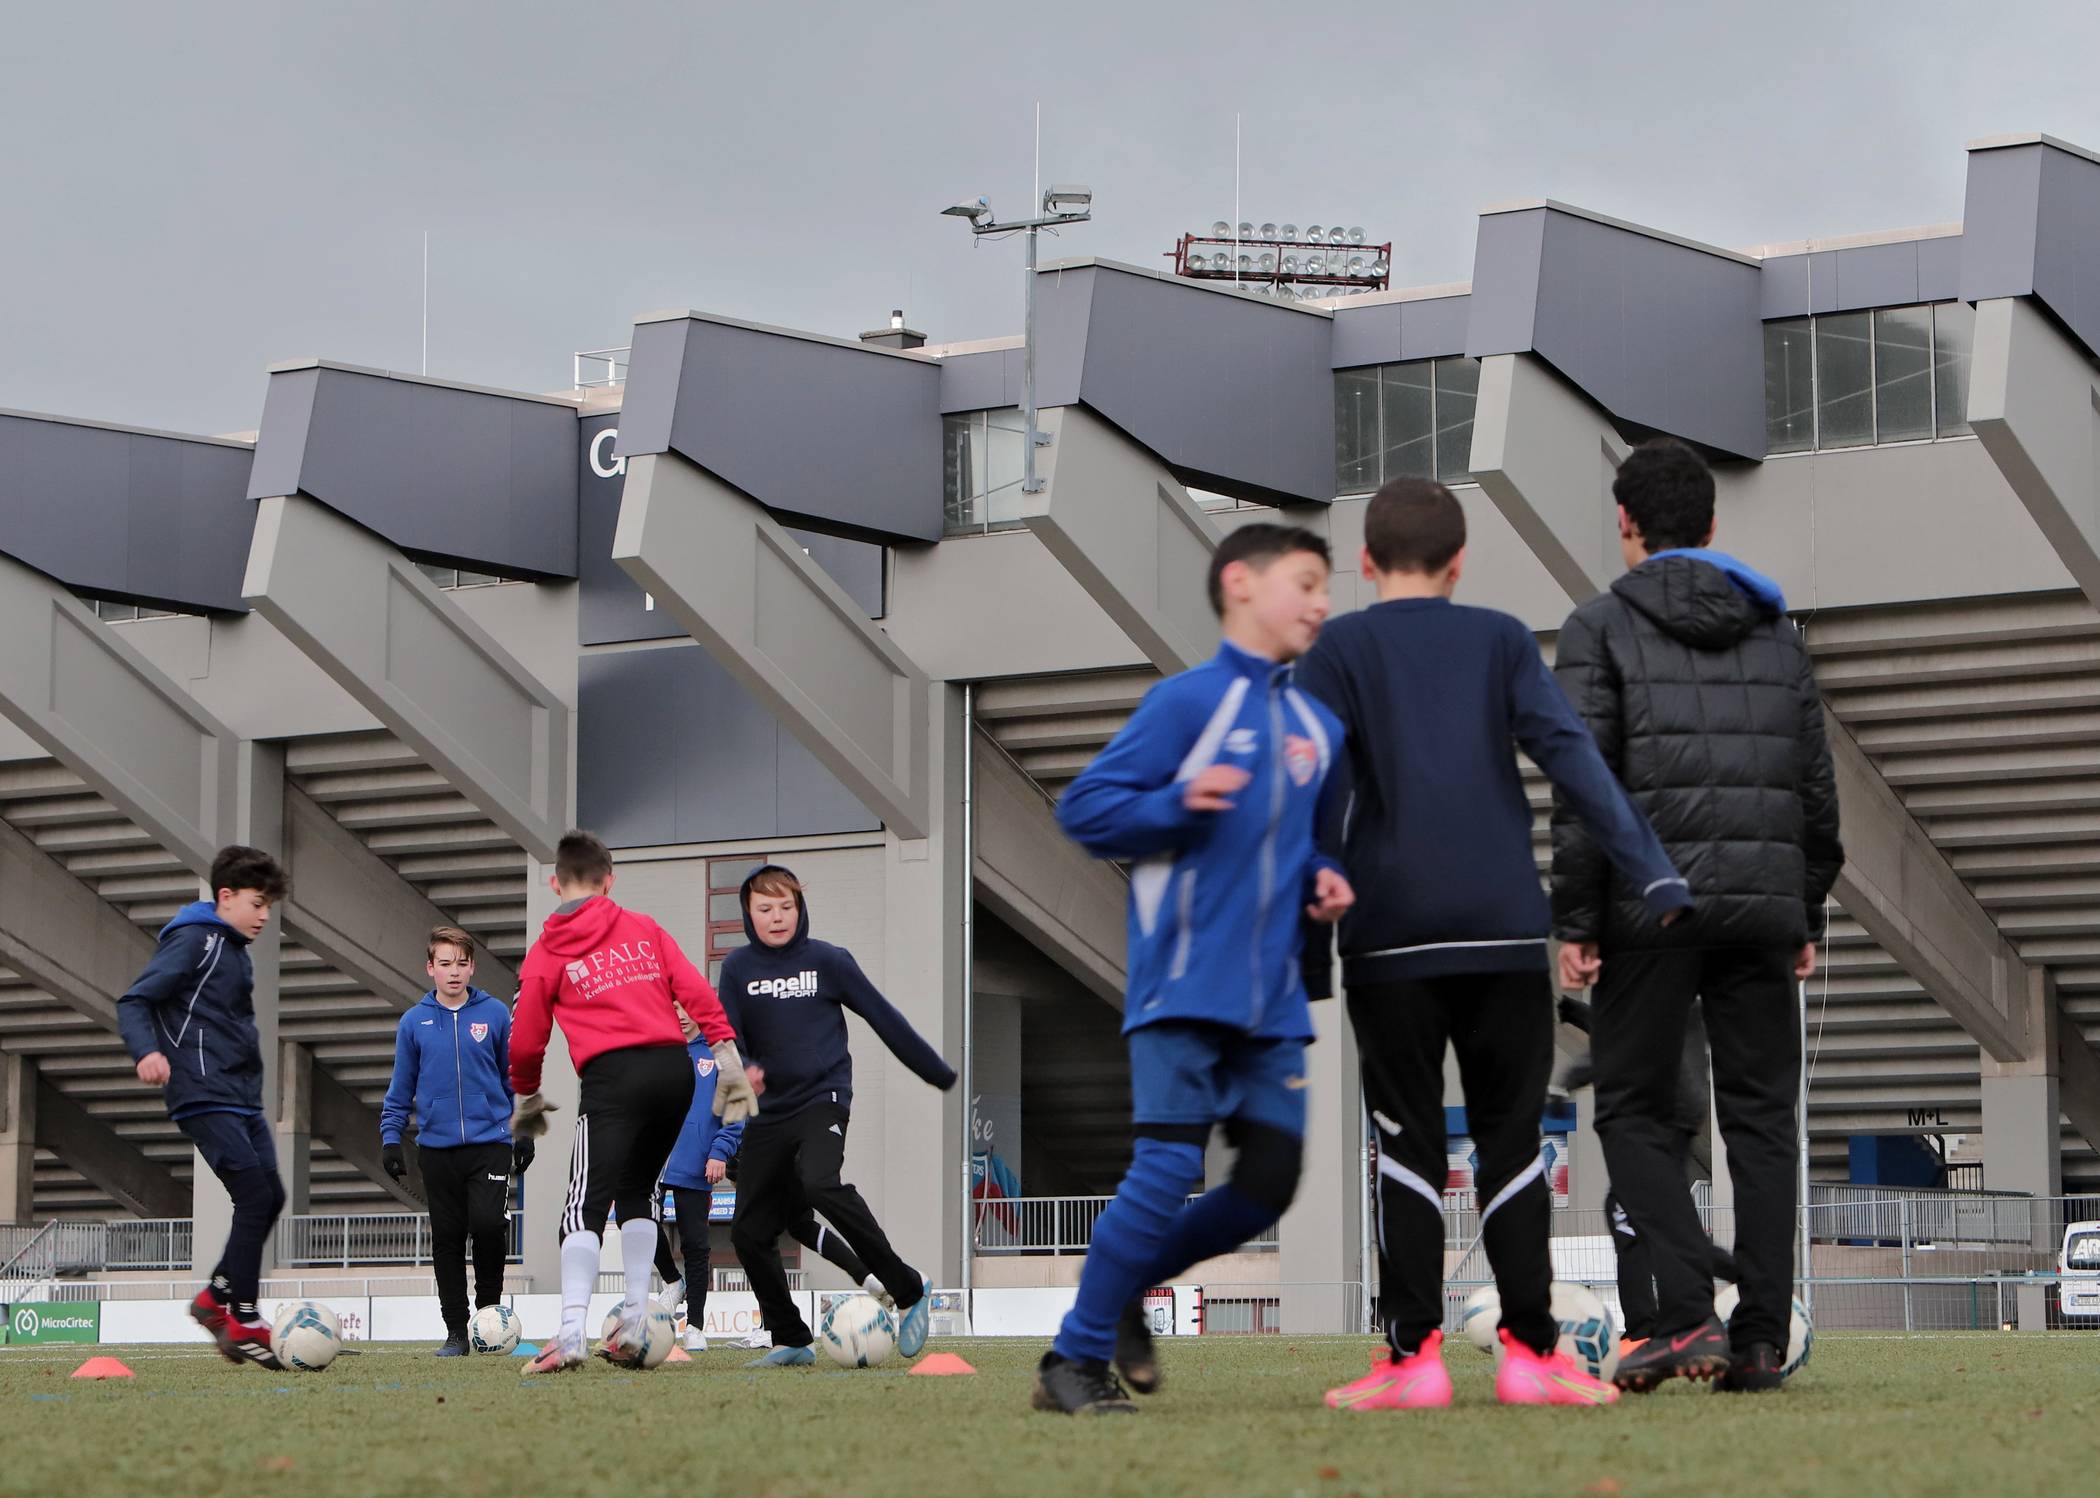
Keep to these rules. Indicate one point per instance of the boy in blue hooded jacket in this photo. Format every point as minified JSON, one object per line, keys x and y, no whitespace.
{"x":189,"y":1022}
{"x":1211,"y":791}
{"x":699,"y":1162}
{"x":452,"y":1066}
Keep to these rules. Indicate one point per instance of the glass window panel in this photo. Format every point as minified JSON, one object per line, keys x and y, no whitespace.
{"x":1004,"y":452}
{"x":1457,"y":389}
{"x":958,"y":514}
{"x":1844,"y":380}
{"x":1410,"y":435}
{"x":725,"y":905}
{"x":1355,"y":430}
{"x":1790,"y":400}
{"x":1953,"y":335}
{"x":1902,"y":374}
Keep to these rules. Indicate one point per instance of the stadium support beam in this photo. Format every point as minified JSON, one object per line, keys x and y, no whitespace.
{"x":1038,"y":881}
{"x":105,"y":1157}
{"x":1129,"y":534}
{"x":726,"y":570}
{"x":391,"y":638}
{"x":57,"y":932}
{"x":17,"y":1138}
{"x":90,"y":698}
{"x":1542,"y":454}
{"x":351,"y":908}
{"x":340,"y":1119}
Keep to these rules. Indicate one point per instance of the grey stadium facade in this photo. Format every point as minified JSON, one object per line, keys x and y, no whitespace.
{"x":776,"y":594}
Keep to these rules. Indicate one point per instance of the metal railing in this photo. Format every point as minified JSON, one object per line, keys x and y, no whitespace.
{"x":1051,"y":1225}
{"x":600,"y":368}
{"x":314,"y":1242}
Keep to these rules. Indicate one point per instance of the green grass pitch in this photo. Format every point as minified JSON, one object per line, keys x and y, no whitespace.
{"x":1984,"y":1413}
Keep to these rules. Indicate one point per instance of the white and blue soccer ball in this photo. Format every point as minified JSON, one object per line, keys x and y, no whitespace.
{"x":1800,"y":1331}
{"x":858,"y":1331}
{"x":659,"y":1336}
{"x":1589,"y":1331}
{"x":494,"y":1329}
{"x":306,"y":1336}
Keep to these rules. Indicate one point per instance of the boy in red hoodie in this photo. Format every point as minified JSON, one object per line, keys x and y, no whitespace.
{"x":613,"y":979}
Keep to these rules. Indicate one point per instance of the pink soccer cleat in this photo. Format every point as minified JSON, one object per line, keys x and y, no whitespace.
{"x":1526,"y":1377}
{"x":558,"y":1355}
{"x":1412,"y":1383}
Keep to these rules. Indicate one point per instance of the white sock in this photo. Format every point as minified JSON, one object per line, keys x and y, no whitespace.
{"x":638,"y":1258}
{"x":874,"y":1287}
{"x":579,"y":1275}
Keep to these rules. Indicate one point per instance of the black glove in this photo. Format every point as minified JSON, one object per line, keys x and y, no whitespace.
{"x":1575,"y":1012}
{"x":395,"y":1162}
{"x":521,"y":1154}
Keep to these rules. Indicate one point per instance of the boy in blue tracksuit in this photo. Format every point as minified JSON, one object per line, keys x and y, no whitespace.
{"x":1211,"y":790}
{"x":189,"y":1022}
{"x":699,"y":1161}
{"x":452,"y":1066}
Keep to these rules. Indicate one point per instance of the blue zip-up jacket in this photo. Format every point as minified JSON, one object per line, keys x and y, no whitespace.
{"x":195,"y":1004}
{"x":1215,"y":897}
{"x":453,"y":1067}
{"x":1437,"y":698}
{"x":788,"y":1005}
{"x":705,"y":1137}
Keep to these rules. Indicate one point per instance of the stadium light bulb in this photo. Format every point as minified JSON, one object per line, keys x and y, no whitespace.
{"x":1268,"y":263}
{"x":1290,"y":233}
{"x":1314,"y":234}
{"x":1379,"y":266}
{"x":1246,"y":263}
{"x":1268,"y":231}
{"x":1246,"y":230}
{"x":1196,"y":262}
{"x":1356,"y":236}
{"x":1290,"y":265}
{"x":1221,"y":230}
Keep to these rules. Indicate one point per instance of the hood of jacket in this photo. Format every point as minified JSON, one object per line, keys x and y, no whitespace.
{"x":1707,"y":599}
{"x":200,"y":913}
{"x":474,"y":996}
{"x":801,"y":910}
{"x":574,"y":932}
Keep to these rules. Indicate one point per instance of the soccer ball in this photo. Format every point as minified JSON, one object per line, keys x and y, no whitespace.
{"x":1800,"y":1332}
{"x":858,"y":1331}
{"x":307,"y":1336}
{"x":1589,"y":1333}
{"x":494,"y":1329}
{"x":659,"y":1335}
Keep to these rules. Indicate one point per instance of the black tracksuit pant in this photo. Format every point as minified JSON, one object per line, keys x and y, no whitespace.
{"x":1753,"y":1026}
{"x":1501,"y":1027}
{"x":788,"y":1166}
{"x":469,"y":1190}
{"x":692,"y":1247}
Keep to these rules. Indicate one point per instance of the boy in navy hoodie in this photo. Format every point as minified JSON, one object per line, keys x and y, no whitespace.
{"x":1211,"y":791}
{"x":699,"y":1162}
{"x":452,"y":1065}
{"x":189,"y":1022}
{"x":786,"y":993}
{"x":1447,"y":948}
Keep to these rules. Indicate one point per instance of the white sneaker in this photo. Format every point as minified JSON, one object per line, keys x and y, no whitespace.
{"x":669,"y":1298}
{"x":695,"y":1339}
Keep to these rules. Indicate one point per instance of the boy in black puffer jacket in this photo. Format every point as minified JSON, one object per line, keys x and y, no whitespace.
{"x":1701,"y":695}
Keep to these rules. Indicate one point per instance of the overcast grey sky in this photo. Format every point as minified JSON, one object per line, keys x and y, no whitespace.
{"x":192,"y":191}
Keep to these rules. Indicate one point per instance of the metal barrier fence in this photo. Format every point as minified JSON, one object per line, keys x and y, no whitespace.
{"x":1052,"y":1225}
{"x":366,"y":1238}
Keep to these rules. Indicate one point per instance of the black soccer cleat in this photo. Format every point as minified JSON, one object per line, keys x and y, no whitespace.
{"x":1137,"y":1359}
{"x":455,"y":1346}
{"x":1756,"y":1370}
{"x":1702,"y":1352}
{"x":1067,"y":1386}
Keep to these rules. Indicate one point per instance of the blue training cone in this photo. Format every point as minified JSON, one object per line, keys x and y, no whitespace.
{"x":525,"y":1350}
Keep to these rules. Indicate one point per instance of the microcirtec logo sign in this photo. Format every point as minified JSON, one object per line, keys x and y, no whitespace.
{"x":50,"y":1324}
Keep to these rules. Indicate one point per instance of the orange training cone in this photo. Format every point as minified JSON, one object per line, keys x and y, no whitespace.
{"x":936,"y":1364}
{"x":102,"y":1368}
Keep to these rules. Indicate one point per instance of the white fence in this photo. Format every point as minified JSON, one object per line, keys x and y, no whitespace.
{"x":1051,"y":1225}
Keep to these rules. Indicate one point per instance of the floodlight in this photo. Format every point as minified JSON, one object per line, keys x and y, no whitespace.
{"x":1316,"y":265}
{"x":1268,"y":263}
{"x":1314,"y":234}
{"x":1379,"y":266}
{"x":1246,"y":262}
{"x":1290,"y":233}
{"x":1246,"y":230}
{"x":1221,"y":230}
{"x":1357,"y":267}
{"x":1356,"y":236}
{"x":1197,"y":262}
{"x":1290,"y":265}
{"x":972,"y":209}
{"x":1067,"y":198}
{"x":1268,"y":231}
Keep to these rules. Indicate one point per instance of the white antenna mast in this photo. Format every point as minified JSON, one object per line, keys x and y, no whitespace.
{"x":1037,"y":197}
{"x":426,"y":301}
{"x":1235,"y":198}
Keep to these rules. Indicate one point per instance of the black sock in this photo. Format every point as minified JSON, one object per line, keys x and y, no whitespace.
{"x":220,"y":1290}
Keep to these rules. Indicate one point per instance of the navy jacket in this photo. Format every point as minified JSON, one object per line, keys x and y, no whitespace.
{"x":195,"y":1004}
{"x":787,"y":1004}
{"x":704,"y":1136}
{"x":1215,"y":897}
{"x":453,"y":1067}
{"x":1437,"y":832}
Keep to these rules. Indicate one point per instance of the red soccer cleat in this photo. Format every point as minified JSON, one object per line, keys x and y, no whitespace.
{"x":216,"y":1317}
{"x":249,"y":1342}
{"x":1412,"y":1383}
{"x":1527,"y":1377}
